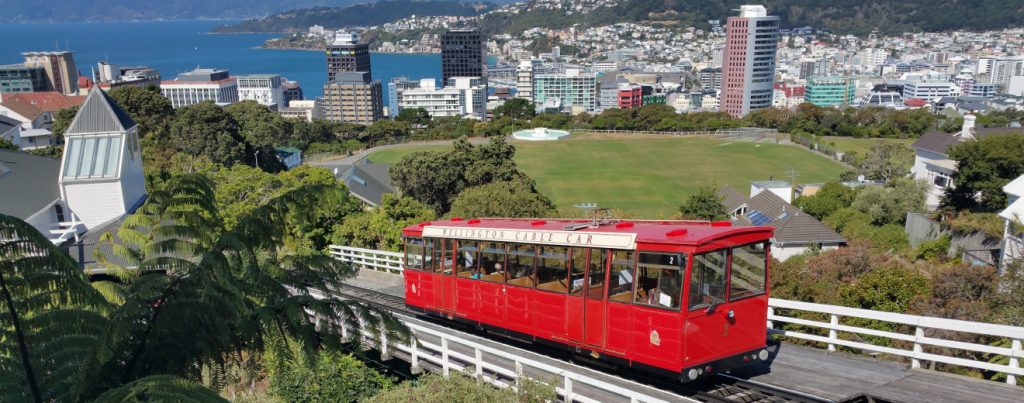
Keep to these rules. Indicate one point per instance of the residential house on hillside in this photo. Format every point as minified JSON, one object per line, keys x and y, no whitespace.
{"x":34,"y":111}
{"x":795,"y":231}
{"x":367,"y":181}
{"x":932,"y":163}
{"x":1013,"y":217}
{"x":10,"y":130}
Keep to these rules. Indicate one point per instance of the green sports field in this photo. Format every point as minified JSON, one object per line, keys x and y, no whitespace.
{"x":648,"y":176}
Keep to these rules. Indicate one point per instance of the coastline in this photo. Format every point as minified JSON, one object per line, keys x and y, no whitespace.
{"x":322,"y":50}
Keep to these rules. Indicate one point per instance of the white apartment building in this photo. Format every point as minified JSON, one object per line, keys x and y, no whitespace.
{"x":572,"y":91}
{"x":927,"y":89}
{"x":524,"y":79}
{"x":307,"y":109}
{"x":266,"y":89}
{"x":463,"y":97}
{"x":201,"y":85}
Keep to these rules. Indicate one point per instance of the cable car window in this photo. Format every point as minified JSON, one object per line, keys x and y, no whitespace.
{"x":660,"y":280}
{"x":598,"y":261}
{"x":620,"y":282}
{"x":432,"y":248}
{"x":707,"y":280}
{"x":414,"y":253}
{"x":579,"y":268}
{"x":492,"y":261}
{"x":521,"y":259}
{"x":553,"y":269}
{"x":748,"y":269}
{"x":448,"y":259}
{"x":466,"y":261}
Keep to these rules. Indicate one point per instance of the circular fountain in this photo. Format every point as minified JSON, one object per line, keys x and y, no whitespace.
{"x":539,"y":134}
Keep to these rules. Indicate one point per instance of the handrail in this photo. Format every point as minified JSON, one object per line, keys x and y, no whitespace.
{"x":923,"y":327}
{"x":444,"y":356}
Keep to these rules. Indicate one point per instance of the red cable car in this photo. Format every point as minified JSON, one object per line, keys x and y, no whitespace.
{"x":687,"y":299}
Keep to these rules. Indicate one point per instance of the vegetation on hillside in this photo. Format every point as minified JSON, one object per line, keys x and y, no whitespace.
{"x":355,"y":15}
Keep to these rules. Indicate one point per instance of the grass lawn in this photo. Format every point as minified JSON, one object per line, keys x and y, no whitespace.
{"x":860,"y":146}
{"x":647,"y":176}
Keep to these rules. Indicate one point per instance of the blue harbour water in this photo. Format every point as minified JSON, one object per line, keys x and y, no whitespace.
{"x":177,"y":46}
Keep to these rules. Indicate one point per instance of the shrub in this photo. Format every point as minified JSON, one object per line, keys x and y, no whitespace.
{"x":334,"y":377}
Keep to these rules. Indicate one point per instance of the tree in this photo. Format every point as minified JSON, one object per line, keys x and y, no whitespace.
{"x":887,"y":160}
{"x":890,"y":204}
{"x":384,"y":131}
{"x":148,"y":108}
{"x":983,"y":168}
{"x":832,"y":197}
{"x":6,"y":144}
{"x":259,"y":126}
{"x":62,"y":120}
{"x":204,"y":129}
{"x":517,"y":198}
{"x":414,"y":116}
{"x":190,"y":296}
{"x":54,"y":151}
{"x":706,"y":204}
{"x":381,"y":228}
{"x":436,"y":178}
{"x":516,"y":108}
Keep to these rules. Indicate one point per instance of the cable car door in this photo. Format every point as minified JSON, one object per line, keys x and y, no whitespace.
{"x":447,"y":277}
{"x":707,"y":331}
{"x":594,"y":317}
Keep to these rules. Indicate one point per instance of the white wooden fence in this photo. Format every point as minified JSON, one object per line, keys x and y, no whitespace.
{"x":924,"y":328}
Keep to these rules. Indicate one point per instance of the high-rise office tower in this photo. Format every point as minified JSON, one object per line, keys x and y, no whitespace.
{"x":346,"y":54}
{"x":60,"y":69}
{"x":462,"y":55}
{"x":354,"y":98}
{"x":748,"y":68}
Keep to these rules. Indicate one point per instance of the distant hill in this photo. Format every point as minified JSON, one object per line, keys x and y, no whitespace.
{"x":19,"y":11}
{"x":837,"y":16}
{"x":356,"y":15}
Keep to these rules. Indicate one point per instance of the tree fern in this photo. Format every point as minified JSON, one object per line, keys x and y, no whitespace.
{"x":50,"y":317}
{"x":160,"y":388}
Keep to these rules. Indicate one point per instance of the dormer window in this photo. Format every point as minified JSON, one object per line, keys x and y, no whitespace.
{"x":92,"y":157}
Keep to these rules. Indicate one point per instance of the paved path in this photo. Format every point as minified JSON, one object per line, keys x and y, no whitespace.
{"x":354,"y":158}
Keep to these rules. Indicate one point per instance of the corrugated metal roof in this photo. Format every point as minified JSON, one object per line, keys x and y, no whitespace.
{"x":100,"y":114}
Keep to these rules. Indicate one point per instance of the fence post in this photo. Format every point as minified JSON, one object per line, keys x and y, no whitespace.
{"x":519,"y":372}
{"x":444,"y":356}
{"x":915,"y":361}
{"x":414,"y":353}
{"x":384,"y":355}
{"x":479,"y":363}
{"x":567,"y":385}
{"x":832,"y":333}
{"x":1015,"y":350}
{"x":771,"y":312}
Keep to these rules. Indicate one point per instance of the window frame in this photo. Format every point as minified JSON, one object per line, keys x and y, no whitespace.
{"x":689,"y":281}
{"x":610,"y":266}
{"x":508,"y":264}
{"x":405,"y":253}
{"x":680,"y":269}
{"x":764,"y":285}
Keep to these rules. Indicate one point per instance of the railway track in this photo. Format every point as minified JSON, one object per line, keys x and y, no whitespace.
{"x":722,"y":388}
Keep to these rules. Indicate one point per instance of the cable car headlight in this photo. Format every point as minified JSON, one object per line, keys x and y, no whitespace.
{"x":692,"y":374}
{"x":763,"y":355}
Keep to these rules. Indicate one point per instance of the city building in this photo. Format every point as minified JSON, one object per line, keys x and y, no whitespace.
{"x":569,"y":92}
{"x":830,"y":91}
{"x":929,"y":89}
{"x":464,"y":96}
{"x":61,"y":73}
{"x":267,"y":89}
{"x":307,"y":110}
{"x":788,"y":95}
{"x":396,"y":87}
{"x":292,"y":91}
{"x":630,"y":96}
{"x":346,"y":54}
{"x":1001,"y":69}
{"x":109,"y":77}
{"x":710,"y":78}
{"x":201,"y":85}
{"x":748,"y":72}
{"x":463,"y":55}
{"x":354,"y":98}
{"x":16,"y":78}
{"x":524,"y":79}
{"x":34,"y":111}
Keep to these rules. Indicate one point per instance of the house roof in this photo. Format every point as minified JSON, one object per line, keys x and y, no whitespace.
{"x":1015,"y":187}
{"x":792,"y":225}
{"x":6,"y":124}
{"x":939,"y":142}
{"x":100,"y":114}
{"x":28,"y":183}
{"x":370,"y":182}
{"x":32,"y":104}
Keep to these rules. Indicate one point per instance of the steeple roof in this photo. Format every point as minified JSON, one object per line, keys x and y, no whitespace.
{"x":100,"y":114}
